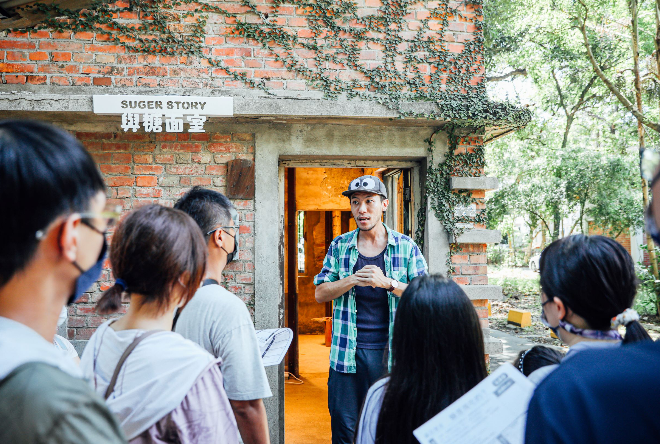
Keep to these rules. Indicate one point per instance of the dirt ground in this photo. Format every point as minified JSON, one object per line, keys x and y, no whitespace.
{"x":512,"y":280}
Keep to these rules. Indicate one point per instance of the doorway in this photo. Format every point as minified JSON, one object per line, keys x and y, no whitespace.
{"x":315,"y":212}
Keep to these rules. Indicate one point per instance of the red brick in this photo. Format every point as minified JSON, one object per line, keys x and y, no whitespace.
{"x":39,"y":55}
{"x":246,"y":137}
{"x":474,"y":269}
{"x":17,"y":44}
{"x":148,"y":192}
{"x":102,"y":81}
{"x":16,"y":56}
{"x":478,"y":259}
{"x":17,"y":67}
{"x":164,"y":158}
{"x":116,"y":181}
{"x":218,"y":170}
{"x":61,"y":57}
{"x":115,"y":169}
{"x":225,"y":147}
{"x":143,"y":158}
{"x":121,"y":158}
{"x":462,"y":280}
{"x":60,"y":45}
{"x":148,"y":169}
{"x":181,"y":147}
{"x":146,"y":181}
{"x":460,"y":259}
{"x":480,"y":280}
{"x":195,"y":181}
{"x":15,"y":80}
{"x":37,"y":80}
{"x":114,"y":49}
{"x":188,"y":170}
{"x":116,"y":146}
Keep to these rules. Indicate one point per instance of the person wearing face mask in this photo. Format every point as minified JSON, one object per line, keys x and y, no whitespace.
{"x":588,"y":286}
{"x":605,"y":395}
{"x":162,"y":387}
{"x":219,"y":321}
{"x":54,"y":218}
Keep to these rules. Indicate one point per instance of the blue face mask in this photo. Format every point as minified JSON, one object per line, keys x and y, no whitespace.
{"x":87,"y":278}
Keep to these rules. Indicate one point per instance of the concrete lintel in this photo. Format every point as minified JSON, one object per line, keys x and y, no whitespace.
{"x":490,"y":292}
{"x":58,"y":99}
{"x":474,"y":183}
{"x":493,"y":346}
{"x":478,"y":236}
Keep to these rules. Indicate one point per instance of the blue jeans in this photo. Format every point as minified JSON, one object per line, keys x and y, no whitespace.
{"x":346,"y":392}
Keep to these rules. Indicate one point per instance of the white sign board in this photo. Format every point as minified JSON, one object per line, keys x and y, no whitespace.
{"x":164,"y":113}
{"x":493,"y":412}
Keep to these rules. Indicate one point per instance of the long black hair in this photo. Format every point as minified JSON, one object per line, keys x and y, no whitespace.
{"x":595,"y":277}
{"x":438,"y":356}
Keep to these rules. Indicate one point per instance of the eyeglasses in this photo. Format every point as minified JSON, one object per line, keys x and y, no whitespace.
{"x":223,"y":229}
{"x":648,"y":164}
{"x":110,"y":215}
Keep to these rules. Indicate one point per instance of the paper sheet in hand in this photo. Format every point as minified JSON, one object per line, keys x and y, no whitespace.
{"x":273,"y":344}
{"x":493,"y":412}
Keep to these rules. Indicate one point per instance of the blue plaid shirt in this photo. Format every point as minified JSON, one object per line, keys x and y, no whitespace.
{"x":403,"y":262}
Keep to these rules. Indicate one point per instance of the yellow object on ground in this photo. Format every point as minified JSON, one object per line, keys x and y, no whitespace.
{"x":520,"y":318}
{"x":553,"y":335}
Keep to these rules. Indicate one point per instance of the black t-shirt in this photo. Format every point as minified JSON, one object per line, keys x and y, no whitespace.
{"x":599,"y":396}
{"x":373,"y":311}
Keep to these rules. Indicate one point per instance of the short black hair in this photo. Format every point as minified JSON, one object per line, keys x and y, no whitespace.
{"x":595,"y":277}
{"x":209,"y":208}
{"x":45,"y":172}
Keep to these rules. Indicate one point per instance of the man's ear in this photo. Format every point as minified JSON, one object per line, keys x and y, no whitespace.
{"x":385,"y":203}
{"x":562,"y":309}
{"x":216,"y":238}
{"x":68,"y":238}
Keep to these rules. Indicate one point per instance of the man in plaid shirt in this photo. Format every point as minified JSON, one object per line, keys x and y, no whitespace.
{"x":364,"y":274}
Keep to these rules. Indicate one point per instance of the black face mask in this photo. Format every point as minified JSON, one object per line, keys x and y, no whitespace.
{"x":234,"y":253}
{"x":88,"y":277}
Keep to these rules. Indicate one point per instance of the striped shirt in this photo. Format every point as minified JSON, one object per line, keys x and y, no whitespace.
{"x":403,"y":262}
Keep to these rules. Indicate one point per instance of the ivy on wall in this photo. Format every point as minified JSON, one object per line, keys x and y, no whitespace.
{"x":416,"y":66}
{"x":442,"y":199}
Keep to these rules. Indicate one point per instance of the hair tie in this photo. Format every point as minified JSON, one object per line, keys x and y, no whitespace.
{"x":629,"y":315}
{"x":122,"y":284}
{"x":520,"y":364}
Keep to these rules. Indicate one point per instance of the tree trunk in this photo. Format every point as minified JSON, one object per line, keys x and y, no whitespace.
{"x":556,"y":221}
{"x":640,"y":130}
{"x":543,"y":239}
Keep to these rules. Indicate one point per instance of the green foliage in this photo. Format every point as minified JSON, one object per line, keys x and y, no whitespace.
{"x":645,"y":302}
{"x":517,"y":286}
{"x":416,"y":66}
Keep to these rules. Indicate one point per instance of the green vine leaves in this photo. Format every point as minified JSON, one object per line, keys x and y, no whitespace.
{"x":375,"y":54}
{"x":396,"y":54}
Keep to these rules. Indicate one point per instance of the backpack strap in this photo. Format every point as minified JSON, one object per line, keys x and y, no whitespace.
{"x":123,"y":358}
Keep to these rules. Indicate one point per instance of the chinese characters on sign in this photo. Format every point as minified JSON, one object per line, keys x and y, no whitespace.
{"x":171,"y":114}
{"x":153,"y":123}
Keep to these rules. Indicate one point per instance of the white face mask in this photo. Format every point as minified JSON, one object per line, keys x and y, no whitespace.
{"x":62,"y":319}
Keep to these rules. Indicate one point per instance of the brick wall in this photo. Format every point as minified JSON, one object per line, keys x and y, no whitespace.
{"x":469,"y":260}
{"x":144,"y":168}
{"x":86,"y":58}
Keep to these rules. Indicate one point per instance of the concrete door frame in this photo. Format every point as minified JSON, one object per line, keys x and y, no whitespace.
{"x":279,"y":146}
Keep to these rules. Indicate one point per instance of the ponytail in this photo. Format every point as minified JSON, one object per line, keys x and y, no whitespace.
{"x":634,"y":330}
{"x":110,"y":301}
{"x":635,"y":333}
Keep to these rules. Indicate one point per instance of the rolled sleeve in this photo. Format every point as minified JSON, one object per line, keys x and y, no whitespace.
{"x":330,"y":270}
{"x":416,"y":264}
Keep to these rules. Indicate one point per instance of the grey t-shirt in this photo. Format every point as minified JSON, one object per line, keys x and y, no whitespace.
{"x":370,"y":412}
{"x":220,"y":322}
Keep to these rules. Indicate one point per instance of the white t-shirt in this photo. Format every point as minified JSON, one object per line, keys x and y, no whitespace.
{"x":220,"y":322}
